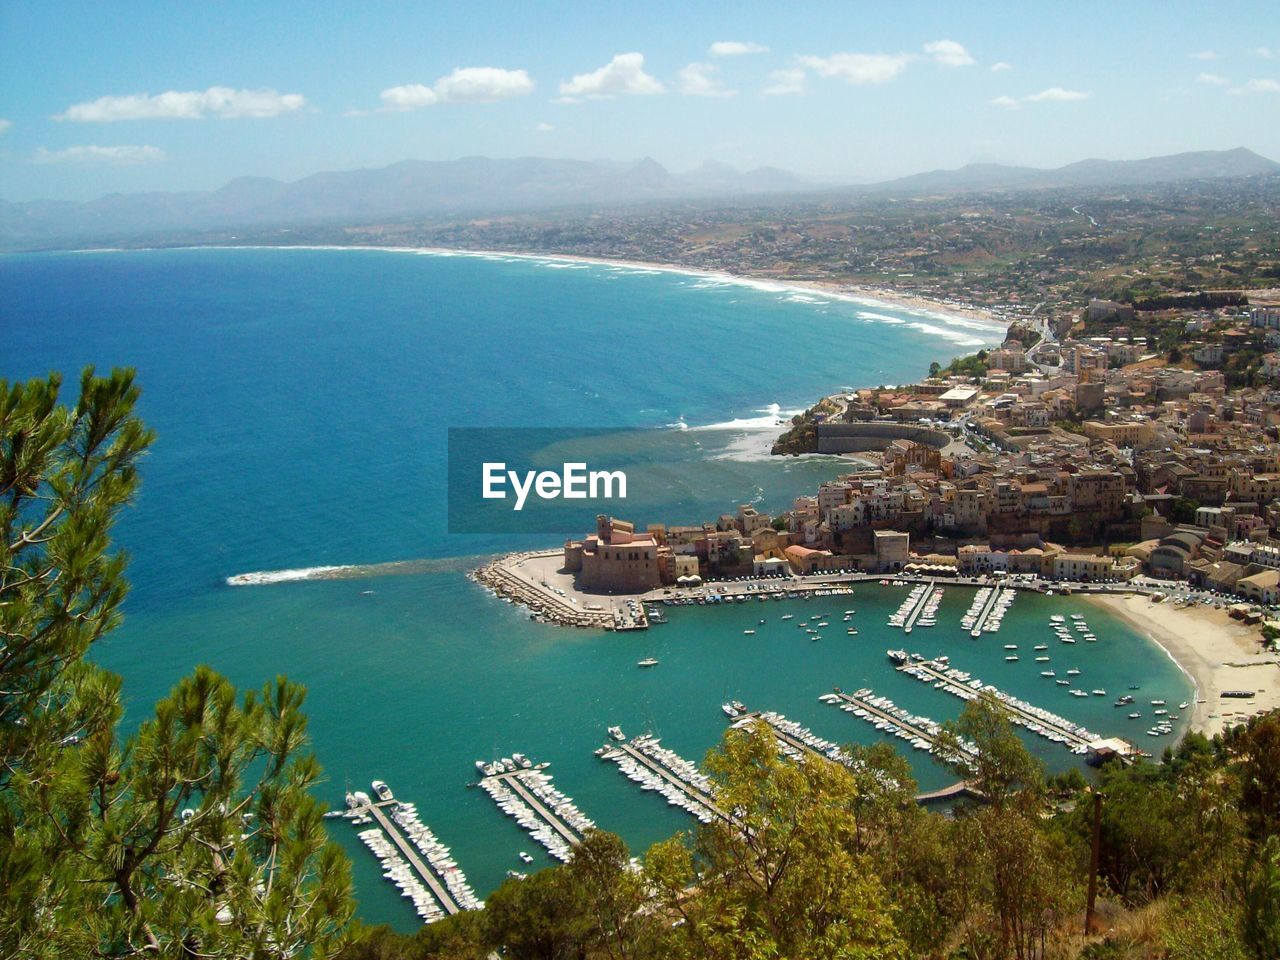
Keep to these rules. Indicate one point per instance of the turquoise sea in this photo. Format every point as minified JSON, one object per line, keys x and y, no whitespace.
{"x":302,"y":399}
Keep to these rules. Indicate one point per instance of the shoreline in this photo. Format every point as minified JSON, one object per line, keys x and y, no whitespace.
{"x":967,"y":315}
{"x":1213,"y":651}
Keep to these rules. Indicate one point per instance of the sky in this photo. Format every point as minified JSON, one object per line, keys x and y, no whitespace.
{"x":97,"y":98}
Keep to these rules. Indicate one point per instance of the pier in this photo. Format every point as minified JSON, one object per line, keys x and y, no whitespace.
{"x":1036,"y":719}
{"x":411,"y":855}
{"x":985,"y":612}
{"x":527,"y":795}
{"x":797,"y":742}
{"x":696,"y":799}
{"x":921,"y":732}
{"x":425,"y":874}
{"x":920,"y":605}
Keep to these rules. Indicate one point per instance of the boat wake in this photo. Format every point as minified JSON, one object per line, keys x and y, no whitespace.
{"x":354,"y":571}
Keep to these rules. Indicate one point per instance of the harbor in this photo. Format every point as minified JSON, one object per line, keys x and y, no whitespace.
{"x":707,"y":660}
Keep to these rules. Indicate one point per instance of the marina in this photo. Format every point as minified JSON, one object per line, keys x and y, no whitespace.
{"x":644,"y":761}
{"x":411,"y":855}
{"x":795,"y":740}
{"x":957,"y":682}
{"x":888,"y":717}
{"x":527,"y":794}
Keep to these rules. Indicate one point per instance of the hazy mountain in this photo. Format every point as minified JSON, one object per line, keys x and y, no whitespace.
{"x":406,"y":189}
{"x":1199,"y":165}
{"x":483,"y":185}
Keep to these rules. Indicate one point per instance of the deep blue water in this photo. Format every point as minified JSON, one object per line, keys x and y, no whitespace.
{"x":302,"y":398}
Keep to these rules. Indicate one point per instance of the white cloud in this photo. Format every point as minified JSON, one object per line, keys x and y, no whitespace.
{"x":544,"y":127}
{"x":1000,"y":66}
{"x":1009,"y":103}
{"x":1204,"y":55}
{"x":1258,"y":86}
{"x":735,"y":48}
{"x":624,"y":74}
{"x":699,"y":80}
{"x":860,"y":68}
{"x":5,"y":125}
{"x":784,"y":83}
{"x":122,"y":156}
{"x":1266,"y":53}
{"x":949,"y":53}
{"x":410,"y":96}
{"x":482,"y":85}
{"x":1213,"y":79}
{"x":185,"y":105}
{"x":1056,"y":95}
{"x":464,"y":85}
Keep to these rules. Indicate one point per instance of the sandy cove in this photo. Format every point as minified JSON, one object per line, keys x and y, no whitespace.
{"x":1215,"y":651}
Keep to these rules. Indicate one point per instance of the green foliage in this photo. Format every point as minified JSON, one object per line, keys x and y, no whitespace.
{"x":784,"y":879}
{"x":1003,"y":769}
{"x":195,"y":837}
{"x":974,"y":365}
{"x":65,"y":474}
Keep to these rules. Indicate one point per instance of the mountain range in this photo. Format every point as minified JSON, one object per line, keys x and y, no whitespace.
{"x":475,"y":185}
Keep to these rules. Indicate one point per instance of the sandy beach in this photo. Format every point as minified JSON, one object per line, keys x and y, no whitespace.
{"x":1216,"y":652}
{"x":865,"y":295}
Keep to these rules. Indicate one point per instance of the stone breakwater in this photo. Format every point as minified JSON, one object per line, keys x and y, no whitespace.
{"x":504,"y":577}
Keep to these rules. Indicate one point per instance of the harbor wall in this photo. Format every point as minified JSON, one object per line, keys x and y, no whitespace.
{"x":876,"y":435}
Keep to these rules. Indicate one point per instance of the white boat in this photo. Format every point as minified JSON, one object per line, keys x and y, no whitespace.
{"x":749,"y":633}
{"x":1073,"y":672}
{"x":728,"y":709}
{"x":786,"y":616}
{"x":616,"y":733}
{"x":647,"y":662}
{"x":1048,"y":673}
{"x":525,"y":857}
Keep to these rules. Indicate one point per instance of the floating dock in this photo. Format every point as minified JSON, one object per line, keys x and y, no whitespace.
{"x":795,"y":741}
{"x":411,"y":855}
{"x":958,"y":683}
{"x":798,"y":742}
{"x":888,"y":717}
{"x":528,"y":795}
{"x":981,"y":624}
{"x":655,"y":767}
{"x":925,"y":599}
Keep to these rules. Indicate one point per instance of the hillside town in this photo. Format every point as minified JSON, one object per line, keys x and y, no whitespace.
{"x":1085,"y":460}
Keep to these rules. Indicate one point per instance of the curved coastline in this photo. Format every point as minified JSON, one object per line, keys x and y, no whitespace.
{"x":1213,"y":651}
{"x":958,"y":314}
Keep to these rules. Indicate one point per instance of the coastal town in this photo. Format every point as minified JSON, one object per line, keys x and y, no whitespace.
{"x":1073,"y":458}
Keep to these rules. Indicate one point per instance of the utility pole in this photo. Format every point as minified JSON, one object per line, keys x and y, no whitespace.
{"x":1093,"y":860}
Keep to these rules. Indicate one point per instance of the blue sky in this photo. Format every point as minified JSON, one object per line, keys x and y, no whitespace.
{"x":97,"y":97}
